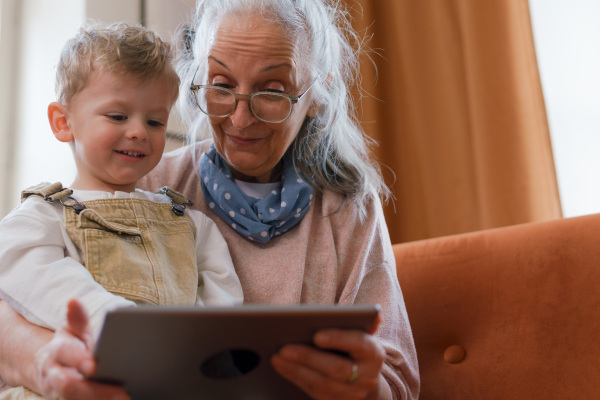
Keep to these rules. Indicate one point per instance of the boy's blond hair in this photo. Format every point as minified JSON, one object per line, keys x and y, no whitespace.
{"x":119,"y":47}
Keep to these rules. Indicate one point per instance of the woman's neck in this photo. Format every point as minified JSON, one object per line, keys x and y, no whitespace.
{"x":273,"y":176}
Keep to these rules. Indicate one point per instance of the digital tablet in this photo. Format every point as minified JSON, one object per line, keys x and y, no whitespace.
{"x":212,"y":353}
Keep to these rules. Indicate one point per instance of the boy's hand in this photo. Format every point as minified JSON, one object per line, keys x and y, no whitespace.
{"x":65,"y":363}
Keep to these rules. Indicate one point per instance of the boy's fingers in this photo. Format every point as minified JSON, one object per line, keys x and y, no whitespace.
{"x":78,"y":323}
{"x":77,"y":319}
{"x":72,"y":353}
{"x":70,"y":385}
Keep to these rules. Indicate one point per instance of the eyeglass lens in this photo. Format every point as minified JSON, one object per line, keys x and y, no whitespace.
{"x":221,"y":103}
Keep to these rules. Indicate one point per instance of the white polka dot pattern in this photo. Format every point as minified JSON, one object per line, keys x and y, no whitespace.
{"x":257,"y":219}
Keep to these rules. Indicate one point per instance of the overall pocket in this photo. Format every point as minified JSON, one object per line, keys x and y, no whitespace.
{"x":120,"y":263}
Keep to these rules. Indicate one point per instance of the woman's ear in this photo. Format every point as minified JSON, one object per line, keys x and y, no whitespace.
{"x":314,"y":108}
{"x":329,"y":81}
{"x":59,"y":122}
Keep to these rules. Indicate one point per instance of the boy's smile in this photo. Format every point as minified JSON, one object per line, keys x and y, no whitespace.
{"x":116,"y":126}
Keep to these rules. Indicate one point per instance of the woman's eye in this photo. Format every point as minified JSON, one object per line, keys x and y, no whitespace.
{"x":273,"y":90}
{"x":222,"y":85}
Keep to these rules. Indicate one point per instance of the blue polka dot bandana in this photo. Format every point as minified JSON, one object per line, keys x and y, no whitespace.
{"x":257,"y":219}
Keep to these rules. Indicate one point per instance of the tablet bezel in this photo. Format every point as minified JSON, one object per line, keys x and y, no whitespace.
{"x":151,"y":350}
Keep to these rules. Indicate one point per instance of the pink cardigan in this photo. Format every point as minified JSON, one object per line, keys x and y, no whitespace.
{"x":329,"y":257}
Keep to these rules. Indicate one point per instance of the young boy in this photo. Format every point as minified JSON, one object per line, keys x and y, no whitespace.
{"x":115,"y":89}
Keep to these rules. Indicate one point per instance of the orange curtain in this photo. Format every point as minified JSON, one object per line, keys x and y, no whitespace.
{"x":457,"y":108}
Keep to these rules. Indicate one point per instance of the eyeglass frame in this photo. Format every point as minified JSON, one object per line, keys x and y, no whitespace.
{"x":248,"y":97}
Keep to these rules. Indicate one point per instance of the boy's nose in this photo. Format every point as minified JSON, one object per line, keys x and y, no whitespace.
{"x":137,"y":130}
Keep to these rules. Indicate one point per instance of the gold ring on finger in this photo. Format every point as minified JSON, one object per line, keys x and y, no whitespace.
{"x":354,"y":375}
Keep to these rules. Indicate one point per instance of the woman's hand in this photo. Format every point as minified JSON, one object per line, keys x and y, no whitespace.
{"x":325,"y":375}
{"x":66,"y":361}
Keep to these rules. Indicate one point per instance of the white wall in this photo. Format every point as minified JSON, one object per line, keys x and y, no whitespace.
{"x":8,"y":48}
{"x":43,"y":28}
{"x":567,"y":39}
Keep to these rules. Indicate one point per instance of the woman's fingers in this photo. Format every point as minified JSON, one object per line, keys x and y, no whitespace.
{"x":361,"y":347}
{"x":326,"y":375}
{"x":315,"y":383}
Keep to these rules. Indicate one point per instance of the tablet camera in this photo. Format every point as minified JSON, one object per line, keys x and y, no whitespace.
{"x":230,"y":364}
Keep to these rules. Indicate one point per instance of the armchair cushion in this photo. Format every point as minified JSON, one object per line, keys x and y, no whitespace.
{"x":507,"y":313}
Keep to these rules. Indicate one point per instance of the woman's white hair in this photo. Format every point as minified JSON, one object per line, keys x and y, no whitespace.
{"x":331,"y":149}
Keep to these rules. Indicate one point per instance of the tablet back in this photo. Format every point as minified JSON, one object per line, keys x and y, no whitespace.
{"x":212,"y":353}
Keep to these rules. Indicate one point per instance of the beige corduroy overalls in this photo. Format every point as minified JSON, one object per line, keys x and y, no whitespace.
{"x":135,"y":248}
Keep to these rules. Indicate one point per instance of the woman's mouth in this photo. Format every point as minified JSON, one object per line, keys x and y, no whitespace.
{"x":243,"y":141}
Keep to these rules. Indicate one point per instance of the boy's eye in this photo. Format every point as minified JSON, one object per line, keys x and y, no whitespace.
{"x":155,"y":123}
{"x":117,"y":117}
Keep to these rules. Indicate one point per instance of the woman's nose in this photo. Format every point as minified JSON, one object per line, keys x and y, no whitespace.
{"x":242,"y":117}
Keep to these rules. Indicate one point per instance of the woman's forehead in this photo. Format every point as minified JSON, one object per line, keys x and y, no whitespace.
{"x":265,"y":43}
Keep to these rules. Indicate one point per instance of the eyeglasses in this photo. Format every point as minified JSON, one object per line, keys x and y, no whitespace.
{"x":219,"y":102}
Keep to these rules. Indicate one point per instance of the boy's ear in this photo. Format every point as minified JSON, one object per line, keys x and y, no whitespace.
{"x":59,"y":122}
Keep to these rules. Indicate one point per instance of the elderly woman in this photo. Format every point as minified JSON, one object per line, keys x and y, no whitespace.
{"x":287,"y":177}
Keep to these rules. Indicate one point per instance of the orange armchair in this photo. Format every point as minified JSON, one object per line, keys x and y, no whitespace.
{"x":507,"y":313}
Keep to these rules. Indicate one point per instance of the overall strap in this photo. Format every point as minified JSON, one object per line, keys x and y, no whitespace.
{"x":178,"y":200}
{"x":48,"y":191}
{"x":52,"y":192}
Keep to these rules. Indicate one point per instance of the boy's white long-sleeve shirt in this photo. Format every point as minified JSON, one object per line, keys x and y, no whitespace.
{"x":41,"y":269}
